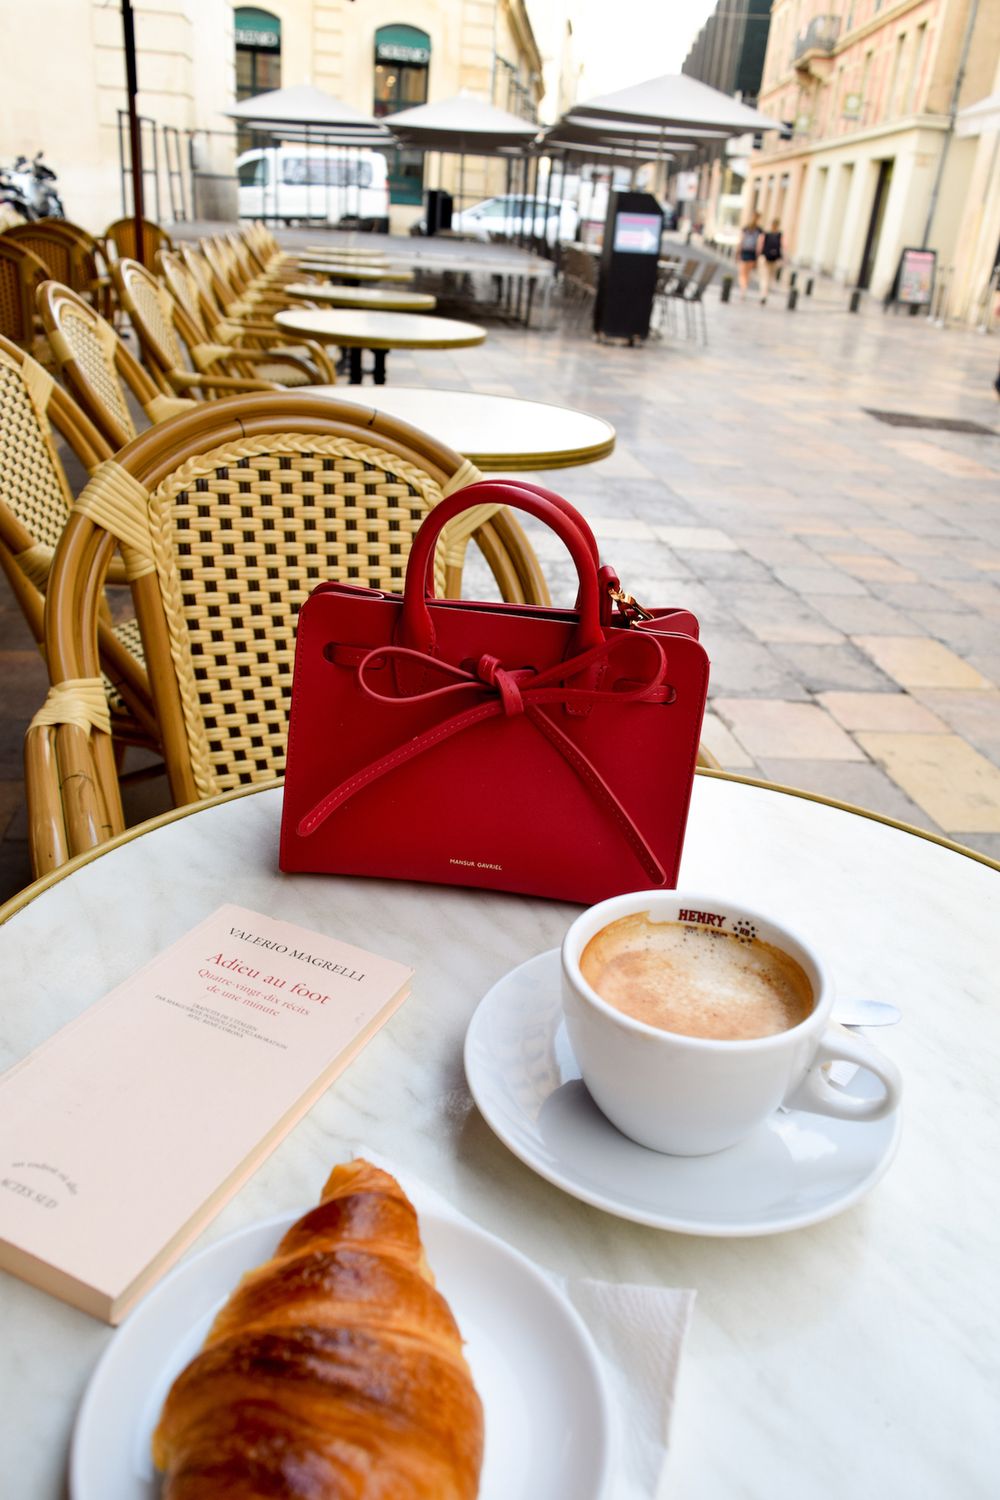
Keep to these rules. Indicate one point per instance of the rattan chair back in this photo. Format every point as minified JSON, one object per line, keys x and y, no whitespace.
{"x":21,"y":274}
{"x":97,"y":367}
{"x":183,"y":287}
{"x":35,"y":501}
{"x":121,"y":235}
{"x":227,"y":518}
{"x":69,"y":253}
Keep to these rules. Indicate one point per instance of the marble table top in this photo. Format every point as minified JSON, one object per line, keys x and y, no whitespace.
{"x":494,"y":432}
{"x":851,"y":1360}
{"x":385,"y":299}
{"x":379,"y":330}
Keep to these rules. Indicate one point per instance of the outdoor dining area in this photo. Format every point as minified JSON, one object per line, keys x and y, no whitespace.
{"x":386,"y":923}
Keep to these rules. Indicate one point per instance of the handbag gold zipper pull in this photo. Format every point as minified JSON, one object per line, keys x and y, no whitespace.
{"x":628,"y":606}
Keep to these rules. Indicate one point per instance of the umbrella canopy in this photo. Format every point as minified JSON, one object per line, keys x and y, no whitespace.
{"x":617,"y":133}
{"x":293,"y":112}
{"x":677,"y":100}
{"x":621,"y":153}
{"x":463,"y":124}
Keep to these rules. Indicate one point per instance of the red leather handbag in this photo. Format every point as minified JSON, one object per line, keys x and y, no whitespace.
{"x":507,"y":746}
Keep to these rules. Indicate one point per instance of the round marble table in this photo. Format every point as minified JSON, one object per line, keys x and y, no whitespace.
{"x":380,"y":299}
{"x":851,"y":1360}
{"x":338,"y":270}
{"x":378,"y":331}
{"x":495,"y":432}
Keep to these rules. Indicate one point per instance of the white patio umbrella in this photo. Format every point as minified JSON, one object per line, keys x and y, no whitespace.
{"x":462,"y":126}
{"x":675,"y":100}
{"x":304,"y":108}
{"x":980,"y":118}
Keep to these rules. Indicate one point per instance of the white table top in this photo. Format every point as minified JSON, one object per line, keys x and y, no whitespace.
{"x":854,"y":1360}
{"x":362,"y":271}
{"x":490,"y":263}
{"x":383,"y":298}
{"x":380,"y":330}
{"x":494,"y":432}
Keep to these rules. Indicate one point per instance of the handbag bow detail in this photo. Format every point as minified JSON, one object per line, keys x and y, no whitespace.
{"x":510,"y":692}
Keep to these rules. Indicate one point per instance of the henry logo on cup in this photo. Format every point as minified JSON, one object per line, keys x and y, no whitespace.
{"x":703,"y":918}
{"x":742,"y":929}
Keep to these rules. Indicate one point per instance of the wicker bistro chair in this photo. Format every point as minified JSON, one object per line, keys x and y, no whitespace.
{"x":226,"y":518}
{"x":227,"y":320}
{"x":71,"y":256}
{"x":98,"y":368}
{"x":35,"y":502}
{"x":120,"y":236}
{"x":21,"y":274}
{"x":180,"y":360}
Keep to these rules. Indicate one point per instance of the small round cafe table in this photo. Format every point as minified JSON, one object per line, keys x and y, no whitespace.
{"x":338,"y":270}
{"x":851,"y":1360}
{"x":494,"y":432}
{"x":377,"y":298}
{"x":379,"y":331}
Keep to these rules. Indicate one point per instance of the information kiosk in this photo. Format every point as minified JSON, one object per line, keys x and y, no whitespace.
{"x":627,"y":279}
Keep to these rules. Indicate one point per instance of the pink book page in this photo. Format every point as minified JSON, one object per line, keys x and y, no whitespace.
{"x":116,"y":1131}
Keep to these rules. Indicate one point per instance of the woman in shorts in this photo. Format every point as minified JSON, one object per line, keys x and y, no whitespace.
{"x":749,"y":251}
{"x":770,"y":257}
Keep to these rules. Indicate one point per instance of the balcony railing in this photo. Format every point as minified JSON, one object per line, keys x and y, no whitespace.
{"x":821,"y":35}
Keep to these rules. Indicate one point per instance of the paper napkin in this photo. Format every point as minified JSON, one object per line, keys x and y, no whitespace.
{"x":639,"y":1334}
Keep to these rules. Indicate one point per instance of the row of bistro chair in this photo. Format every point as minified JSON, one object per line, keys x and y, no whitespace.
{"x":219,"y":519}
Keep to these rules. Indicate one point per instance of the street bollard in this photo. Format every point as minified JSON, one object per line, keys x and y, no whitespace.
{"x":793,"y":278}
{"x":727,"y":286}
{"x":855,"y":301}
{"x":809,"y":287}
{"x":793,"y":297}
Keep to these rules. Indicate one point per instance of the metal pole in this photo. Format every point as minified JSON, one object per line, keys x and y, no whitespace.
{"x":953,"y":110}
{"x":135,"y":142}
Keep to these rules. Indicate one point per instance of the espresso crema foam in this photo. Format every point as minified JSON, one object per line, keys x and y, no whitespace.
{"x":697,"y":981}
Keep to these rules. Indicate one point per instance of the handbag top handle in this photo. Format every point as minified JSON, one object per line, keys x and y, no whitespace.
{"x":416,"y":627}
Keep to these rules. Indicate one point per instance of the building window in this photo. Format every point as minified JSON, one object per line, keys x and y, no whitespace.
{"x":258,"y":59}
{"x":402,"y":67}
{"x":258,"y":52}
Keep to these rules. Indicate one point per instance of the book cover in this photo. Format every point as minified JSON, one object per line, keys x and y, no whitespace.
{"x":124,"y":1132}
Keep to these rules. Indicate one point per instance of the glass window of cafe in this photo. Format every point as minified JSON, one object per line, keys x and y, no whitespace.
{"x":258,"y":59}
{"x":402,"y":68}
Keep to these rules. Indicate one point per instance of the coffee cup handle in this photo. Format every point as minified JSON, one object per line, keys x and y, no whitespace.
{"x":816,"y":1095}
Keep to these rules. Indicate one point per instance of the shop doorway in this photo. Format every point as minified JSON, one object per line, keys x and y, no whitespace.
{"x":875,"y":223}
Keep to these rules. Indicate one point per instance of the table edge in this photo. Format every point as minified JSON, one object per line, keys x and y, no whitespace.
{"x":25,"y":897}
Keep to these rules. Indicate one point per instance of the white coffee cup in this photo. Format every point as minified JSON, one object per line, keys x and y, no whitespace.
{"x":689,"y":1095}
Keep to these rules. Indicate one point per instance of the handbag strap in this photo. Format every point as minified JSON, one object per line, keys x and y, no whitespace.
{"x":520,"y":691}
{"x":416,"y":626}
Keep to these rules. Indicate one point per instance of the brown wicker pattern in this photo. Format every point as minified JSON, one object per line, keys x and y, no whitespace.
{"x":32,"y":484}
{"x":284,"y":514}
{"x":150,"y":305}
{"x":20,"y":273}
{"x":55,"y":254}
{"x":97,"y":363}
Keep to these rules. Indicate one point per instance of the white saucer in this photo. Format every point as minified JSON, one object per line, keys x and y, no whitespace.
{"x":795,"y":1169}
{"x":549,"y":1428}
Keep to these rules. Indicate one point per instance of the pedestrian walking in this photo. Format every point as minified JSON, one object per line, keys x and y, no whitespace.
{"x":750,"y":237}
{"x":771,"y":255}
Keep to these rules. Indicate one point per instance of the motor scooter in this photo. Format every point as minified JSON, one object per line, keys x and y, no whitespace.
{"x":36,"y":182}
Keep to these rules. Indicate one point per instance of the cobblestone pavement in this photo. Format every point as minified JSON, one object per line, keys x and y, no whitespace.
{"x":846,"y":572}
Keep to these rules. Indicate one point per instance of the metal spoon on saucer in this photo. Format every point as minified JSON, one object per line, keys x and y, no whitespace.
{"x":866,"y":1013}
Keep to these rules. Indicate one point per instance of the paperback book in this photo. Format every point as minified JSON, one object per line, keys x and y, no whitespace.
{"x":126,"y":1131}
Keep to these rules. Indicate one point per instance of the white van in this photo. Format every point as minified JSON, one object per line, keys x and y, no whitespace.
{"x":299,"y":184}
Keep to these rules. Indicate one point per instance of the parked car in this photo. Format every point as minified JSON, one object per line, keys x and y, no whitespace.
{"x":509,"y":214}
{"x":299,"y":184}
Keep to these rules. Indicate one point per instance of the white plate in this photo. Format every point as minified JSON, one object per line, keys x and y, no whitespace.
{"x":795,"y":1169}
{"x":548,"y":1419}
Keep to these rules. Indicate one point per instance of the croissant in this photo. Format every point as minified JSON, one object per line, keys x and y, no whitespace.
{"x":334,"y":1372}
